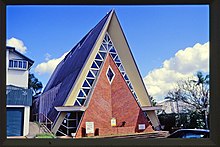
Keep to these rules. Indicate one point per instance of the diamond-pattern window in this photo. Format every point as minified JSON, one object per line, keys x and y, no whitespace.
{"x":110,"y":74}
{"x":106,"y":47}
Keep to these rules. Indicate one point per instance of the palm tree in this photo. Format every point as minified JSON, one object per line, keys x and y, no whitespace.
{"x":203,"y":81}
{"x":34,"y":84}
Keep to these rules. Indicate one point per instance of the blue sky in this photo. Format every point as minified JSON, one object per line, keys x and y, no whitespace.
{"x":155,"y":34}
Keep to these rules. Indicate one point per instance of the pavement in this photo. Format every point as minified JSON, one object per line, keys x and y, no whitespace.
{"x":155,"y":134}
{"x":34,"y":130}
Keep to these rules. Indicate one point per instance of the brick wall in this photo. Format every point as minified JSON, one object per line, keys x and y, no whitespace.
{"x":112,"y":100}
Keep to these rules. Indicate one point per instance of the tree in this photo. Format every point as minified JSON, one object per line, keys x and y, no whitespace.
{"x":34,"y":84}
{"x":153,"y":101}
{"x":194,"y":93}
{"x":175,"y":97}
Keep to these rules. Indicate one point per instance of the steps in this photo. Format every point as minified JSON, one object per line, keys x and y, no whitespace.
{"x":155,"y":134}
{"x":37,"y":128}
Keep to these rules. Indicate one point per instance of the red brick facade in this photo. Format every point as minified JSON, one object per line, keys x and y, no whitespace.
{"x":109,"y":101}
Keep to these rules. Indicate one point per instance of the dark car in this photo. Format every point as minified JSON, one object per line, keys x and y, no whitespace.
{"x":190,"y":133}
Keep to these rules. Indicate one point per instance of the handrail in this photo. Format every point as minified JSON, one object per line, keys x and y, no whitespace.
{"x":48,"y":121}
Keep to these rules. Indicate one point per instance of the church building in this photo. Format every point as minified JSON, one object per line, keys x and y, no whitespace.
{"x":97,"y":89}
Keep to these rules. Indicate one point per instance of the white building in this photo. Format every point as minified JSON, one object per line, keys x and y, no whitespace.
{"x":19,"y":97}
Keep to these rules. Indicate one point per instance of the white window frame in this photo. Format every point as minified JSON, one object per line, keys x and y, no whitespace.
{"x":19,"y":68}
{"x":109,"y":67}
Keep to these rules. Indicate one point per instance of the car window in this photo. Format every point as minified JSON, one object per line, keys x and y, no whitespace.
{"x":178,"y":134}
{"x":192,"y":135}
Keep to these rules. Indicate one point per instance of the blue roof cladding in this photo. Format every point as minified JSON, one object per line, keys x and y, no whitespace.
{"x":18,"y":96}
{"x":69,"y":68}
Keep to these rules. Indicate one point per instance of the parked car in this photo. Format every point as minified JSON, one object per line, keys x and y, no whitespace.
{"x":190,"y":133}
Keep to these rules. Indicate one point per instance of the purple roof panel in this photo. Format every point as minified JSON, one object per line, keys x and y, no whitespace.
{"x":69,"y":69}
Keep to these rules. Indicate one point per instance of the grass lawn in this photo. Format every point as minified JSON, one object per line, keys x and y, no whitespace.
{"x":45,"y":135}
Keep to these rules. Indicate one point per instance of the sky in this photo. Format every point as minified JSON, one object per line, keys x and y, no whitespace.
{"x":169,"y":42}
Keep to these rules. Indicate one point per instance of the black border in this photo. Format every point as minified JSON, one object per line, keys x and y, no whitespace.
{"x":214,"y":80}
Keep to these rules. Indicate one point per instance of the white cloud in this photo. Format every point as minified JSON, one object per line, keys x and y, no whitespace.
{"x":184,"y":64}
{"x":48,"y":66}
{"x":18,"y":44}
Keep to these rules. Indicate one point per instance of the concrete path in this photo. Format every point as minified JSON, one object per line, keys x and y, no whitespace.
{"x":33,"y":130}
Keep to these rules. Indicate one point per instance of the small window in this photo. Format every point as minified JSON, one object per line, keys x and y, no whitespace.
{"x":81,"y":101}
{"x":15,"y":64}
{"x":98,"y":57}
{"x":112,"y":50}
{"x":130,"y":86}
{"x":102,"y":48}
{"x":118,"y":64}
{"x":99,"y":63}
{"x":110,"y":74}
{"x":113,"y":55}
{"x":90,"y":81}
{"x":105,"y":46}
{"x":86,"y":91}
{"x":126,"y":77}
{"x":121,"y":68}
{"x":103,"y":54}
{"x":94,"y":65}
{"x":81,"y":94}
{"x":109,"y":46}
{"x":76,"y":103}
{"x":85,"y":84}
{"x":24,"y":64}
{"x":107,"y":38}
{"x":20,"y":64}
{"x":117,"y":59}
{"x":110,"y":42}
{"x":10,"y":63}
{"x":95,"y":72}
{"x":90,"y":75}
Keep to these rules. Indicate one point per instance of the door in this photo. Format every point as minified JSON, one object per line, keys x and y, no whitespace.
{"x":15,"y":121}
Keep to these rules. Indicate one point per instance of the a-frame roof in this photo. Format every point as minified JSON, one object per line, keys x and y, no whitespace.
{"x":65,"y":82}
{"x":68,"y":70}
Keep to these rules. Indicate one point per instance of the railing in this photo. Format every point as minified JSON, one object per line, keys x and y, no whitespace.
{"x":44,"y":122}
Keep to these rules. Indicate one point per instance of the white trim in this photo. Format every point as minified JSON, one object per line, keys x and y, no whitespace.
{"x":70,"y":108}
{"x":109,"y":67}
{"x":26,"y":117}
{"x":15,"y":106}
{"x":151,"y":108}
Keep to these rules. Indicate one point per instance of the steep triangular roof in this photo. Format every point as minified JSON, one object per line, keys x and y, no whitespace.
{"x":68,"y":70}
{"x":115,"y":32}
{"x":71,"y":83}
